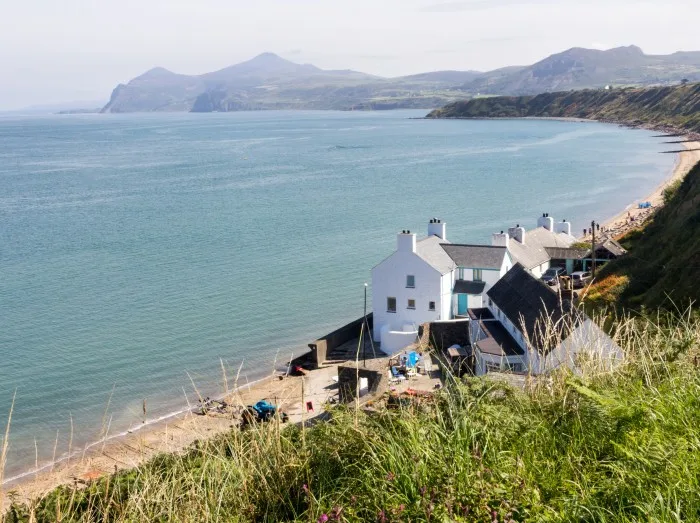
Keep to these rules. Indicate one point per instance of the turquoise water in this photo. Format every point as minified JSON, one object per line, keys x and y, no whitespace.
{"x":138,"y":249}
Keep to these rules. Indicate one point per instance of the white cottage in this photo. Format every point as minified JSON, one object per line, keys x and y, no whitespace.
{"x":528,"y":327}
{"x":430,"y":280}
{"x":411,"y":287}
{"x":533,"y":249}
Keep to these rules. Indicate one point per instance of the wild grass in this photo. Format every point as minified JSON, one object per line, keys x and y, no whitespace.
{"x":601,"y":445}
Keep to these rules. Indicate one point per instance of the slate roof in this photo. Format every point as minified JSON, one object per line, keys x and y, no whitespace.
{"x":566,"y":253}
{"x":490,"y":337}
{"x":469,"y":287}
{"x":527,"y":301}
{"x":430,"y":250}
{"x":475,"y":256}
{"x":533,"y":252}
{"x":612,"y":247}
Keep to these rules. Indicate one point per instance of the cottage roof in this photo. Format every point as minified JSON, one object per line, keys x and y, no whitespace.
{"x":612,"y":246}
{"x":469,"y":287}
{"x":536,"y":310}
{"x":475,"y":256}
{"x":490,"y":337}
{"x":430,"y":250}
{"x":533,"y":251}
{"x":566,"y":253}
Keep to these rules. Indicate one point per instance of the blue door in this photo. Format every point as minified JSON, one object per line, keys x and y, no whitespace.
{"x":462,"y":304}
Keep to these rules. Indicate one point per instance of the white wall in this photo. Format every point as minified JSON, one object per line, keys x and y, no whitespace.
{"x":389,"y":279}
{"x":503,"y":362}
{"x":538,"y":271}
{"x":393,"y":341}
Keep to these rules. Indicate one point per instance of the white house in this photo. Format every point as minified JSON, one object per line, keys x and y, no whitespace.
{"x":532,"y":249}
{"x":430,"y":280}
{"x":411,"y":287}
{"x":528,"y":327}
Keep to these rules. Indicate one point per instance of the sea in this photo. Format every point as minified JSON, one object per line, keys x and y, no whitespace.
{"x":144,"y":255}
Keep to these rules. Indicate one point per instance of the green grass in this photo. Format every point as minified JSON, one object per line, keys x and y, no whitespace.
{"x":599,"y":446}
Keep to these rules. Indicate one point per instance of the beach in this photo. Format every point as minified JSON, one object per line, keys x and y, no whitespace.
{"x":178,"y":432}
{"x":632,"y":215}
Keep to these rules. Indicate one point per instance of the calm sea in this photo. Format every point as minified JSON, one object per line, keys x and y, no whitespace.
{"x":138,"y":249}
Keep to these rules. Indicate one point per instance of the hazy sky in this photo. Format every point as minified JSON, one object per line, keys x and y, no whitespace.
{"x":64,"y":50}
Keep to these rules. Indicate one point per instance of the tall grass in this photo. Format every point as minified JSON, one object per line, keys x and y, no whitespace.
{"x":608,"y":446}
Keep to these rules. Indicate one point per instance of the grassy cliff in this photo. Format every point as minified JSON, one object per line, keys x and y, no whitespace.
{"x":675,"y":107}
{"x":600,"y":446}
{"x":661,"y":269}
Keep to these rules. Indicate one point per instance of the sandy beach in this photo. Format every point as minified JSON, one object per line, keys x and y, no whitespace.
{"x":178,"y":432}
{"x":632,"y":216}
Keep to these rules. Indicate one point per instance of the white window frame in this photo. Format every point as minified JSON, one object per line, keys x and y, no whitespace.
{"x":477,"y":275}
{"x":388,"y":308}
{"x":408,"y":285}
{"x":431,"y":305}
{"x":408,"y":304}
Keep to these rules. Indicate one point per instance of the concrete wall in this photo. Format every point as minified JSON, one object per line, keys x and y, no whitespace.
{"x":323,"y":346}
{"x":443,"y":334}
{"x":389,"y":279}
{"x":347,"y":382}
{"x":393,"y":341}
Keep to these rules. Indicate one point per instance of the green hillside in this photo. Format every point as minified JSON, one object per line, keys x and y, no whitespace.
{"x":664,"y":259}
{"x":676,"y":107}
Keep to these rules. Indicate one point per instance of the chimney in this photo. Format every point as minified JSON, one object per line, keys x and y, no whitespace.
{"x":563,"y":226}
{"x":546,"y":221}
{"x":406,"y":242}
{"x":517,"y":233}
{"x":437,"y":227}
{"x":499,"y":239}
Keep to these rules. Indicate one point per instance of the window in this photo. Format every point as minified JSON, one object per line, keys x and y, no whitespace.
{"x":411,"y":304}
{"x":410,"y":281}
{"x":391,"y":304}
{"x":492,"y":367}
{"x":460,"y":273}
{"x":477,"y":275}
{"x":431,"y":305}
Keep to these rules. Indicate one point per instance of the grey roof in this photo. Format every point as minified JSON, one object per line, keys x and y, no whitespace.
{"x":611,"y":246}
{"x":527,"y":302}
{"x":430,"y":250}
{"x":475,"y":256}
{"x":533,"y":252}
{"x":566,"y":253}
{"x":469,"y":287}
{"x":490,"y":337}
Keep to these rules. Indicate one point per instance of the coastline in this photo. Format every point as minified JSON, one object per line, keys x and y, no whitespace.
{"x":172,"y":433}
{"x":620,"y":223}
{"x":177,"y":431}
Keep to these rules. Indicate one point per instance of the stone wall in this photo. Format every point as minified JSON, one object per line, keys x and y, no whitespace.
{"x":443,"y":334}
{"x":322,"y":347}
{"x":347,"y":382}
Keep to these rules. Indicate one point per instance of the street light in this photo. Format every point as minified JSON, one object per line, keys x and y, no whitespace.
{"x":364,"y":340}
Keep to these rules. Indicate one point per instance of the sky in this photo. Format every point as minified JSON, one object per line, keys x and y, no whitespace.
{"x":55,"y":51}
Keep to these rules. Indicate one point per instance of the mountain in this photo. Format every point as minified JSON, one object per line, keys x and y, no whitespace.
{"x":671,"y":107}
{"x":271,"y":82}
{"x":579,"y":68}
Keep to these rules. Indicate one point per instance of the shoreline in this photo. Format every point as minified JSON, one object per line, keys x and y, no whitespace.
{"x":177,"y":431}
{"x":631,"y":216}
{"x":171,"y":433}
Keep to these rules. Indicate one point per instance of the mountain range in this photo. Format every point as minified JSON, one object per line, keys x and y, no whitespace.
{"x":271,"y":82}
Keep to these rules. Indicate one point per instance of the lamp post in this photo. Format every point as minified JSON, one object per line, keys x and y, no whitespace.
{"x":364,"y":340}
{"x":593,"y":228}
